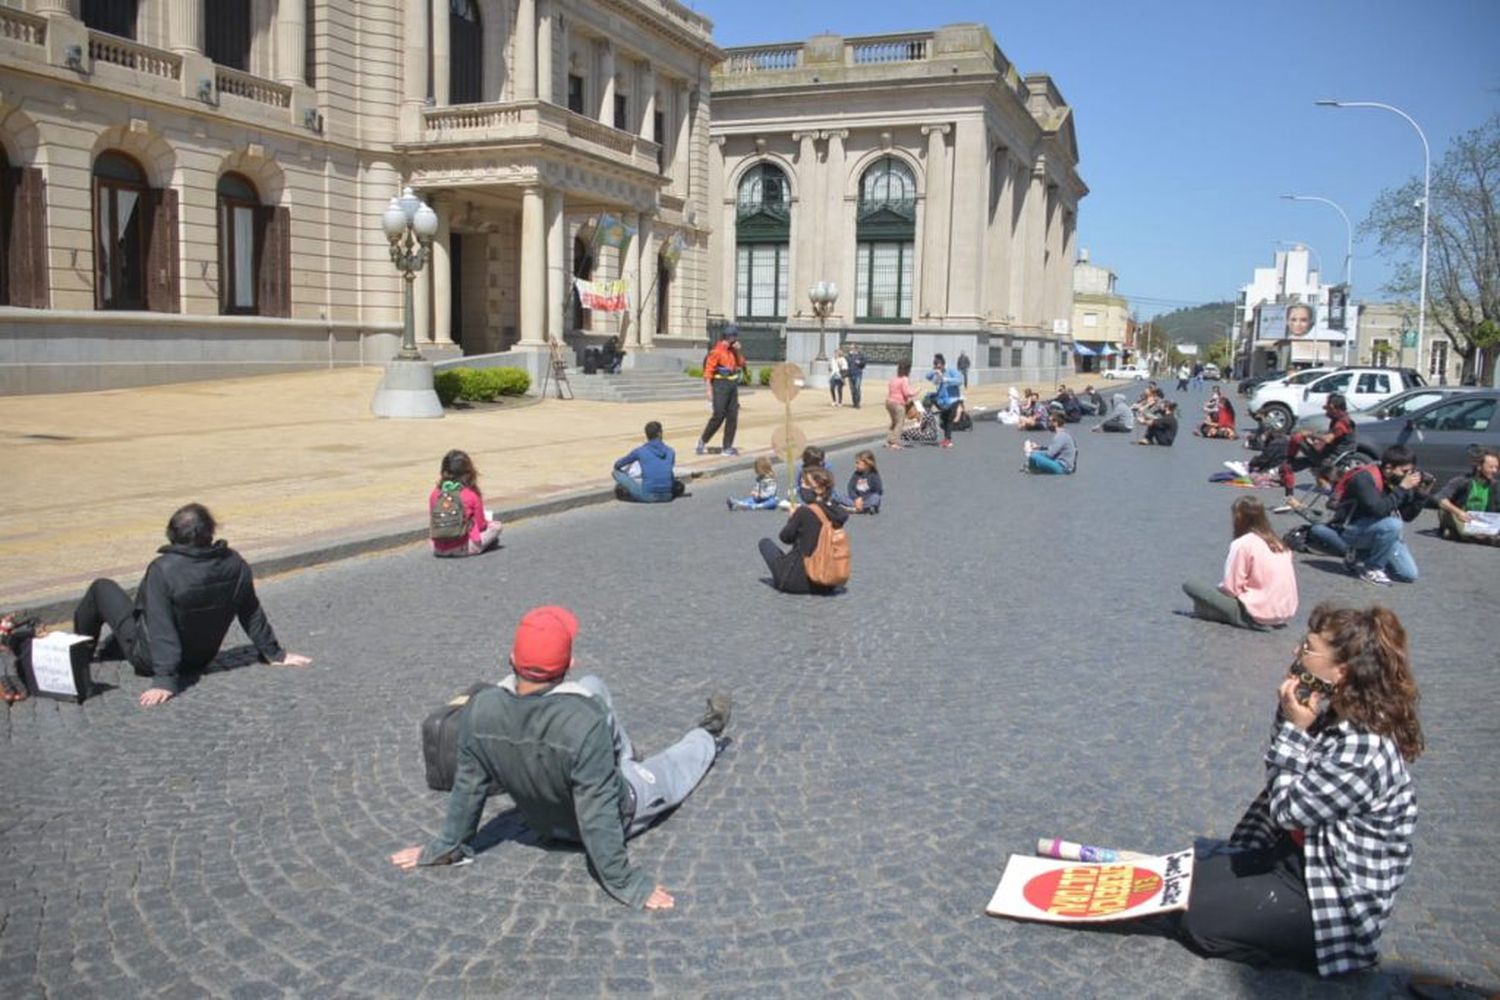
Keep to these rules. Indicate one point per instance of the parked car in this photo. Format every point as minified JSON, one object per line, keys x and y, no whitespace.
{"x":1294,"y":380}
{"x":1247,"y":385}
{"x":1127,"y":371}
{"x":1399,"y":405}
{"x":1281,"y":403}
{"x":1211,"y":372}
{"x":1441,"y":434}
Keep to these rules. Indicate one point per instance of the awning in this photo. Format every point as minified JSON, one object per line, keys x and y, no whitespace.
{"x":1110,"y":350}
{"x":1083,"y":350}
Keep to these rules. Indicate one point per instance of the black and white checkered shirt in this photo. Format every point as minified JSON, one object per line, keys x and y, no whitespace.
{"x":1351,"y":794}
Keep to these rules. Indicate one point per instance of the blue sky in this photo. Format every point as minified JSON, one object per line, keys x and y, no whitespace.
{"x":1194,"y":115}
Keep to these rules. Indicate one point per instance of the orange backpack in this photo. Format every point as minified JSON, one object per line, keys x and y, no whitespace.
{"x":828,"y":565}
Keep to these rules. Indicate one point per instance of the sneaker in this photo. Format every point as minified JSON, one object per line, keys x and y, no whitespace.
{"x":621,"y":493}
{"x":716,"y":719}
{"x":1377,"y":577}
{"x":729,"y":502}
{"x":729,"y":450}
{"x":1285,"y":508}
{"x":701,"y":449}
{"x":946,"y":444}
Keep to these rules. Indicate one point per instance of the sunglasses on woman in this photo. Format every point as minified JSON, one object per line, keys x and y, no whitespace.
{"x":1308,"y":683}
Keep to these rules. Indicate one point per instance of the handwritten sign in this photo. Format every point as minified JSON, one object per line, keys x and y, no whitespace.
{"x":1074,"y":892}
{"x":59,"y":665}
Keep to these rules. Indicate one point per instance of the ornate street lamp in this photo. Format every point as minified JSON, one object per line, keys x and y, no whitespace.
{"x":409,"y":224}
{"x":823,"y":295}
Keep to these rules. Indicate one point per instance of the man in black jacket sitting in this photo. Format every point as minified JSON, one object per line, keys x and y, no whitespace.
{"x":1369,"y":505}
{"x":192,"y":590}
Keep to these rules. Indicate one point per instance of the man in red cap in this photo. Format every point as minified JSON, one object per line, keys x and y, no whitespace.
{"x":557,"y":748}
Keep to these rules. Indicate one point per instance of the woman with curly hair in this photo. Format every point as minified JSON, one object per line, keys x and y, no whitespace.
{"x":1324,"y":848}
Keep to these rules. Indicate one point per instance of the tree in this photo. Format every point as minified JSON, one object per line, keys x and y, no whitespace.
{"x":1463,"y":277}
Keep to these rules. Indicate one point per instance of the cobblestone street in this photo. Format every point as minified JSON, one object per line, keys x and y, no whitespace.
{"x":1007,"y":663}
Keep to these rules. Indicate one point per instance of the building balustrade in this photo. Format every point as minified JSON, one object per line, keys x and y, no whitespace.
{"x":906,"y":48}
{"x":252,"y":88}
{"x":764,"y":60}
{"x":117,"y":51}
{"x":19,"y":26}
{"x":519,"y":121}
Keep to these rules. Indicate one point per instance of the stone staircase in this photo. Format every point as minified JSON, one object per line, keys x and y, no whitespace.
{"x":634,"y":386}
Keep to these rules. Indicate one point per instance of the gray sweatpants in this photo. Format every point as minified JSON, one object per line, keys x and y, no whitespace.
{"x":662,"y":781}
{"x":1212,"y":604}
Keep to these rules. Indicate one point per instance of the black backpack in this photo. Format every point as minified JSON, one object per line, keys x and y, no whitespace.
{"x":1296,"y":539}
{"x":448,"y":519}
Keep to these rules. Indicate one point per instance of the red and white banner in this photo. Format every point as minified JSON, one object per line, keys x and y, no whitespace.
{"x":604,"y":296}
{"x":1074,"y":892}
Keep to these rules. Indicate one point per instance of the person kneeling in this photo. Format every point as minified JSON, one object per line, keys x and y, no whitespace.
{"x":1162,"y":430}
{"x":646,"y":474}
{"x":1369,"y":504}
{"x":1059,"y":457}
{"x":1468,"y":502}
{"x":790,"y":572}
{"x":558,"y":749}
{"x":1259,"y":588}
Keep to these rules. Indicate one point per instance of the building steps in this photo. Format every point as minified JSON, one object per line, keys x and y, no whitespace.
{"x":634,"y":386}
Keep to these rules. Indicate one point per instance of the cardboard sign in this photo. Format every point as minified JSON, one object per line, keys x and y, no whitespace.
{"x":60,"y":666}
{"x":1074,"y":892}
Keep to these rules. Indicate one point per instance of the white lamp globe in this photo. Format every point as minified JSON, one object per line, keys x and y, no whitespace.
{"x":393,"y":220}
{"x":409,"y":203}
{"x":425,"y":223}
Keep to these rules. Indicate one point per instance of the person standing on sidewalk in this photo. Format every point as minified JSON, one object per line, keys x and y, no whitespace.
{"x":560,"y":752}
{"x":963,"y":367}
{"x":898,"y":396}
{"x":191,"y":592}
{"x":856,"y":361}
{"x":721,"y":384}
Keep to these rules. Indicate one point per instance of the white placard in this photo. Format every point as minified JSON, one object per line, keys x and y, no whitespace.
{"x":1077,"y":892}
{"x":1481,"y":524}
{"x":52,"y":662}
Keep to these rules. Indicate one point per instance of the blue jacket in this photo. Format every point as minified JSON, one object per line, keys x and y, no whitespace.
{"x":657,"y":460}
{"x":950,"y":385}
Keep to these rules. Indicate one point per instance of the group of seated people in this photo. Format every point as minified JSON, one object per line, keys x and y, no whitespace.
{"x":1218,"y":417}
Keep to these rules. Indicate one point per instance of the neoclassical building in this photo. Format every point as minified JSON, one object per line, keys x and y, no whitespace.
{"x":193,"y":188}
{"x":922,"y":173}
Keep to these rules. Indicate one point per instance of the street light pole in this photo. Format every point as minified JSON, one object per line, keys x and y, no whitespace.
{"x":407,"y":389}
{"x":1426,"y":203}
{"x":822,"y":295}
{"x":1348,"y":249}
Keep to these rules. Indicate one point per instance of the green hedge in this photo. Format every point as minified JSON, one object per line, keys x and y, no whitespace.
{"x":479,"y":384}
{"x":693,"y":371}
{"x":765,"y":376}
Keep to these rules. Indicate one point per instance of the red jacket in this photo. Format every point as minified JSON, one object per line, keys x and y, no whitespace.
{"x":473,"y":509}
{"x":722,"y":356}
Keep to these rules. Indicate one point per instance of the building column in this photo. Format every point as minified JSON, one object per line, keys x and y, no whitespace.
{"x":645,"y":272}
{"x":491,"y":72}
{"x":1069,"y":255}
{"x":1033,"y":244}
{"x":421,"y":303}
{"x":185,"y":26}
{"x":525,"y":61}
{"x":648,"y":103}
{"x":441,"y":52}
{"x":966,"y":244}
{"x":806,"y":237}
{"x":606,"y":83}
{"x":1052,"y":258}
{"x":997,"y":298}
{"x":442,"y":271}
{"x":630,"y":269}
{"x":545,"y":82}
{"x":681,"y":145}
{"x":936,"y":209}
{"x":291,"y":41}
{"x":67,"y":8}
{"x":413,"y":67}
{"x":558,"y":279}
{"x":838,"y":260}
{"x":533,"y":268}
{"x":721,"y":249}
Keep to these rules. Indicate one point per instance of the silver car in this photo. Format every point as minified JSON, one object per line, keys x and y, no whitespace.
{"x":1399,"y":405}
{"x":1441,"y":434}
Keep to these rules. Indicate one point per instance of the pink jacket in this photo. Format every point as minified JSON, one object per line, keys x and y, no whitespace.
{"x":1265,"y":582}
{"x":474,"y":508}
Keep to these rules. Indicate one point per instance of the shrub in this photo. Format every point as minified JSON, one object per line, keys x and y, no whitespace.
{"x":480,"y":384}
{"x":693,"y":371}
{"x":509,"y":381}
{"x":474,"y":384}
{"x":448,"y":384}
{"x":745,"y":375}
{"x":765,"y":376}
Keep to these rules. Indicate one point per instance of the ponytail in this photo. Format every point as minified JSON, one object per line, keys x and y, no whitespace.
{"x":1378,"y":693}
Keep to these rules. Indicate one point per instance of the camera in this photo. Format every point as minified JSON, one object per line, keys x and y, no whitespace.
{"x":1427,"y":482}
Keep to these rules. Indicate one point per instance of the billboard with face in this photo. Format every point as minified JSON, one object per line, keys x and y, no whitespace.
{"x":1296,"y":322}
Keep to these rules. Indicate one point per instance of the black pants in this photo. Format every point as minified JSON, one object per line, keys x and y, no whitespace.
{"x":854,"y":389}
{"x":106,"y":603}
{"x":726,"y":411}
{"x":1252,"y":907}
{"x":945,"y":417}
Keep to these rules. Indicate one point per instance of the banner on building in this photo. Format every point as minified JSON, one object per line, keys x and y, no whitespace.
{"x":604,"y":296}
{"x":611,"y":231}
{"x":1296,"y":322}
{"x":1338,"y":304}
{"x":672,"y":252}
{"x":1074,"y":892}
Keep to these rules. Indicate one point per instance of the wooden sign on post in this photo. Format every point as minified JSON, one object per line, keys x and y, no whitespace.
{"x":59,"y":666}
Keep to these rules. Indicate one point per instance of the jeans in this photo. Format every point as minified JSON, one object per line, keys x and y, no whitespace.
{"x":1377,"y":541}
{"x":1212,"y":604}
{"x":1252,"y":907}
{"x":854,"y":389}
{"x":662,"y":781}
{"x":750,"y":503}
{"x":836,"y":389}
{"x":1040,"y":461}
{"x":106,"y":603}
{"x":945,"y":417}
{"x":637,"y":489}
{"x":726,"y":411}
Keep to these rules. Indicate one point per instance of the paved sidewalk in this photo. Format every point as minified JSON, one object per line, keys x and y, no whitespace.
{"x":298,"y":471}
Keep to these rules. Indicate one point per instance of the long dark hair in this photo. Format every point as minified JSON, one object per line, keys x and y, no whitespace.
{"x":458,"y":468}
{"x":821,"y":480}
{"x":1250,"y":516}
{"x":1377,"y":693}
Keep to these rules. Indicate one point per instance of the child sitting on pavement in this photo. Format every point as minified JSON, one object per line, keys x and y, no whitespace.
{"x":763,"y":494}
{"x":865,"y":487}
{"x":459,"y":476}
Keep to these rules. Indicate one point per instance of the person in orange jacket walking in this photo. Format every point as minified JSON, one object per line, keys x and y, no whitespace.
{"x":721,"y":385}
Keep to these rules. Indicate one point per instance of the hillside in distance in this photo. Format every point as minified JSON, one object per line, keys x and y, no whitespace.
{"x":1202,"y":325}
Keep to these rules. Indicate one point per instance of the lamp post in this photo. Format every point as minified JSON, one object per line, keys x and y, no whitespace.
{"x":822,"y":296}
{"x":406,"y":391}
{"x":1426,"y":202}
{"x":1348,"y":248}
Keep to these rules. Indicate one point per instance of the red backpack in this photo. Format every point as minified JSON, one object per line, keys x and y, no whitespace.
{"x":1342,"y":486}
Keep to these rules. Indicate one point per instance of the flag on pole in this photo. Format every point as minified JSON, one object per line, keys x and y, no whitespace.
{"x":611,"y":231}
{"x":672,"y":252}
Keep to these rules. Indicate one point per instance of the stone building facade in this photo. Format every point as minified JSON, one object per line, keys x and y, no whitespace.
{"x":188,"y":195}
{"x":1101,"y":325}
{"x":922,"y":173}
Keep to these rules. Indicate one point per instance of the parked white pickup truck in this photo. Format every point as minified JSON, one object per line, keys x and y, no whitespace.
{"x":1281,"y":403}
{"x":1127,"y":371}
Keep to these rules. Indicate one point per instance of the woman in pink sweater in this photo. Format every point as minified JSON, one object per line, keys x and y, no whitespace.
{"x":459,"y":477}
{"x":1259,"y":589}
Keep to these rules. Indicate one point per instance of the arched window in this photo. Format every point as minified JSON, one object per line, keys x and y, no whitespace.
{"x":466,"y":53}
{"x":763,"y":226}
{"x":583,"y":267}
{"x":885,"y":235}
{"x":7,"y":224}
{"x":117,"y":17}
{"x":239,"y":245}
{"x":121,"y":225}
{"x":227,"y":34}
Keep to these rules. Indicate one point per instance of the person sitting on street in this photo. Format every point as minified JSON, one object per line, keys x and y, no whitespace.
{"x":865,"y":488}
{"x":1317,"y":859}
{"x":1369,"y":505}
{"x":1033,"y":413}
{"x":646,"y":474}
{"x":1093,"y":404}
{"x":191,"y":592}
{"x":1259,"y":589}
{"x":1465,"y":496}
{"x":1218,"y":415}
{"x":561,"y":753}
{"x":1150,"y":405}
{"x":1068,"y":403}
{"x":1121,"y":419}
{"x":1162,"y":430}
{"x":763,"y":496}
{"x":801,"y":532}
{"x":1305,"y":451}
{"x":1059,"y":457}
{"x":457,"y":475}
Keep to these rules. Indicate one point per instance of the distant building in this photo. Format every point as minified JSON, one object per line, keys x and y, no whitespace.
{"x":1287,"y":321}
{"x":1102,"y":326}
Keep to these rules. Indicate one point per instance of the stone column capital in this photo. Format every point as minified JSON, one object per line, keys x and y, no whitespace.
{"x":719,"y":140}
{"x":835,"y":133}
{"x":804,"y":136}
{"x":942,"y":128}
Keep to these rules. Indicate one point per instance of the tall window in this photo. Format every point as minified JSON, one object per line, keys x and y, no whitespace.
{"x":658,"y":129}
{"x":120,"y":232}
{"x":117,"y":17}
{"x":762,"y":244}
{"x":226,"y":35}
{"x":885,"y":234}
{"x":466,"y":53}
{"x":575,"y":93}
{"x":622,"y":112}
{"x":239,"y":245}
{"x":583,"y":267}
{"x":663,"y":294}
{"x":7,"y":224}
